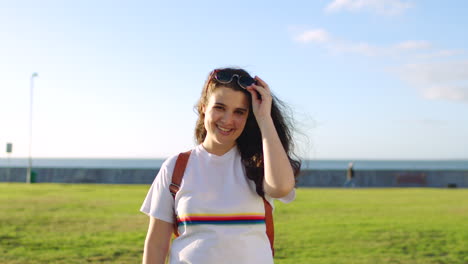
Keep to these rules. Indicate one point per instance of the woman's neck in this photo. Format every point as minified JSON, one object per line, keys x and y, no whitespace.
{"x":216,"y":149}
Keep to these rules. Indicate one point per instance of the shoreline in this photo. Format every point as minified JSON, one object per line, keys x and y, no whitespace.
{"x":308,"y":178}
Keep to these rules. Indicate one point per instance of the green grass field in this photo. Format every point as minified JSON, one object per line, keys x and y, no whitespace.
{"x":74,"y":223}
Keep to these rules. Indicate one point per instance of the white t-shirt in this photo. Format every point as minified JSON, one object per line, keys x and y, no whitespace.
{"x":221,"y":217}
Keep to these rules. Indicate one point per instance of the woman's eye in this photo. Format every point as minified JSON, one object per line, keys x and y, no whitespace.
{"x":218,"y":107}
{"x":240,"y":112}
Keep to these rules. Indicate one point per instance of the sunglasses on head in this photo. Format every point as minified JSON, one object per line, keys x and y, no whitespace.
{"x":223,"y":76}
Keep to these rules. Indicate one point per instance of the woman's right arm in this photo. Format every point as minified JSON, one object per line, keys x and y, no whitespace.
{"x":157,"y":241}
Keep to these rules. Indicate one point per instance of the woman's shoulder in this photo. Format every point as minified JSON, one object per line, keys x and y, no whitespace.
{"x":170,"y":162}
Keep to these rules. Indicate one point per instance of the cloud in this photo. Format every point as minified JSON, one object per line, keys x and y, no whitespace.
{"x":439,"y":54}
{"x":451,"y":93}
{"x":417,"y":49}
{"x":314,"y":35}
{"x":438,"y":80}
{"x":424,"y":122}
{"x":434,"y":80}
{"x":385,"y":7}
{"x":413,"y":45}
{"x":325,"y":39}
{"x":336,"y":46}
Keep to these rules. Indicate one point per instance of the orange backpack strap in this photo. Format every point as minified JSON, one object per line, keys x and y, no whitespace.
{"x":177,"y":176}
{"x":270,"y":227}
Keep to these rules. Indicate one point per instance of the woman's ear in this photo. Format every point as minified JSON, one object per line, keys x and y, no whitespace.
{"x":203,"y":108}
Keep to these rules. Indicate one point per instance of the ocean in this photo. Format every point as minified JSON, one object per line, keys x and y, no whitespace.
{"x":307,"y":164}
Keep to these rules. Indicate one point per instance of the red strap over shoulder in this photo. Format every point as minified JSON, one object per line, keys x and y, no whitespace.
{"x":270,"y":227}
{"x":177,"y":176}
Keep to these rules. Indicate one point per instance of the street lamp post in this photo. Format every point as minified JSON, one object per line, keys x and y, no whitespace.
{"x":29,"y":171}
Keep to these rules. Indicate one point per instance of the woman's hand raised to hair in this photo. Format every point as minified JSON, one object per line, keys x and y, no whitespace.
{"x":261,"y":106}
{"x":279,"y":177}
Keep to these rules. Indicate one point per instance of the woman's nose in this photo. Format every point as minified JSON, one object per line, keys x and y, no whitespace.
{"x":227,"y":118}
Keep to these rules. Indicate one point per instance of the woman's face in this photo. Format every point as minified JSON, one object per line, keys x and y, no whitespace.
{"x":225,"y":117}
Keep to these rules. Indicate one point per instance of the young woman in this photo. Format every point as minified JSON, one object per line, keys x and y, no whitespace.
{"x":244,"y":154}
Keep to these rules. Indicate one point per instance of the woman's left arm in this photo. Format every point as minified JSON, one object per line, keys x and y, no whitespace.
{"x":279,"y":176}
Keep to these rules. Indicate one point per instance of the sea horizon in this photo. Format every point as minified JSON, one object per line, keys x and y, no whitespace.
{"x":317,"y":164}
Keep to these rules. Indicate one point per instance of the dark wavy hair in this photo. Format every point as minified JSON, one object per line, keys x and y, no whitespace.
{"x":250,"y":141}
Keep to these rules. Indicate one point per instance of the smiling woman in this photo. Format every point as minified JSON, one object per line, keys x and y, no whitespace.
{"x":225,"y":118}
{"x":243,"y":161}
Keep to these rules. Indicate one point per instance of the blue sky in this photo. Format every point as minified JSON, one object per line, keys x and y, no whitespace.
{"x":366,"y":79}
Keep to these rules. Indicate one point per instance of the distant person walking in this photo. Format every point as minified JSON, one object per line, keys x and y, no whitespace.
{"x":350,"y":176}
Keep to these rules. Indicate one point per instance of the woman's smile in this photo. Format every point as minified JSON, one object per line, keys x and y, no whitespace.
{"x":224,"y":131}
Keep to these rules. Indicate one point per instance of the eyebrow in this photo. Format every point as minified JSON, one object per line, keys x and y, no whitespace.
{"x":238,"y":108}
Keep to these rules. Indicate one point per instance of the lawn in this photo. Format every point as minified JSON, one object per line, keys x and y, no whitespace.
{"x":78,"y":223}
